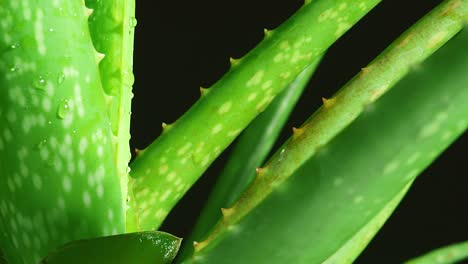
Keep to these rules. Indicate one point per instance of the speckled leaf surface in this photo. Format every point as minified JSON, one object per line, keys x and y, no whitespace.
{"x":166,"y":169}
{"x":142,"y":248}
{"x":59,"y":181}
{"x":416,"y":44}
{"x":249,"y":153}
{"x":335,"y":193}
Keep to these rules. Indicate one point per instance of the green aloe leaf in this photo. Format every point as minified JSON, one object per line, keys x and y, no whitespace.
{"x":166,"y":169}
{"x":112,"y":26}
{"x":250,"y":152}
{"x":59,"y":181}
{"x":445,"y":255}
{"x":142,"y":248}
{"x":416,"y":44}
{"x":350,"y":250}
{"x":338,"y":191}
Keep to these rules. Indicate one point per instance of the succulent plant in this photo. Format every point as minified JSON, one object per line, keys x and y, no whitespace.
{"x":68,"y":192}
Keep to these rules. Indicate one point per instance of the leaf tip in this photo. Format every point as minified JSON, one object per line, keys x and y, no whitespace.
{"x":99,"y":56}
{"x":259,"y":171}
{"x":234,"y":62}
{"x":204,"y":91}
{"x":327,"y":103}
{"x":226,"y":212}
{"x":267,"y":32}
{"x":137,"y":151}
{"x":166,"y":127}
{"x":89,"y":11}
{"x":297,"y":131}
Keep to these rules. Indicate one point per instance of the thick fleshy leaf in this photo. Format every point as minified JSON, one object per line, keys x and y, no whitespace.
{"x":112,"y":27}
{"x":166,"y":169}
{"x":337,"y":192}
{"x":251,"y":150}
{"x":58,"y":179}
{"x":405,"y":53}
{"x":445,"y":255}
{"x":141,"y":248}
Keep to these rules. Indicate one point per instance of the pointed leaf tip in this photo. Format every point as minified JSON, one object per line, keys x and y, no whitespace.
{"x":259,"y":171}
{"x":267,"y":32}
{"x":89,"y":11}
{"x":137,"y":151}
{"x":166,"y":127}
{"x":99,"y":56}
{"x":297,"y":131}
{"x":328,"y":102}
{"x":204,"y":91}
{"x":234,"y":62}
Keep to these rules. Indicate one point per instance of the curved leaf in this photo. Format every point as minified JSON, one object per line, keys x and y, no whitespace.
{"x":445,"y":255}
{"x":166,"y":169}
{"x":350,"y":179}
{"x":250,"y":152}
{"x":141,"y":248}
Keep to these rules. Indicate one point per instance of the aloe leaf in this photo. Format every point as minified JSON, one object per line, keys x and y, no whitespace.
{"x":445,"y":255}
{"x":350,"y":250}
{"x":416,"y":44}
{"x":340,"y":189}
{"x":142,"y":248}
{"x":112,"y":25}
{"x":249,"y":153}
{"x":59,"y":181}
{"x":166,"y":169}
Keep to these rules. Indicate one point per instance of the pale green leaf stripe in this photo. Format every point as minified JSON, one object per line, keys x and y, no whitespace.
{"x":165,"y":170}
{"x":445,"y":255}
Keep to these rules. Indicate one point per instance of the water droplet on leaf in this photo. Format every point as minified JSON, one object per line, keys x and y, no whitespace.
{"x":40,"y":83}
{"x":61,"y":78}
{"x":15,"y":45}
{"x":133,"y":22}
{"x":63,"y":109}
{"x":128,"y":78}
{"x":41,"y":144}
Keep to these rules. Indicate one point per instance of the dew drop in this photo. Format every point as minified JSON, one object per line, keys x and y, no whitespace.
{"x":40,"y":83}
{"x":128,"y":78}
{"x":50,"y":162}
{"x":14,"y":68}
{"x":61,"y":78}
{"x":15,"y":45}
{"x":41,"y":144}
{"x":133,"y":22}
{"x":63,"y":109}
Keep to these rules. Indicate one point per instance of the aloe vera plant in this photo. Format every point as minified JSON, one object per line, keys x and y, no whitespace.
{"x":68,"y":191}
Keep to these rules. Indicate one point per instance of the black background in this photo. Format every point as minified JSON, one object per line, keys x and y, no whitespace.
{"x":181,"y":45}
